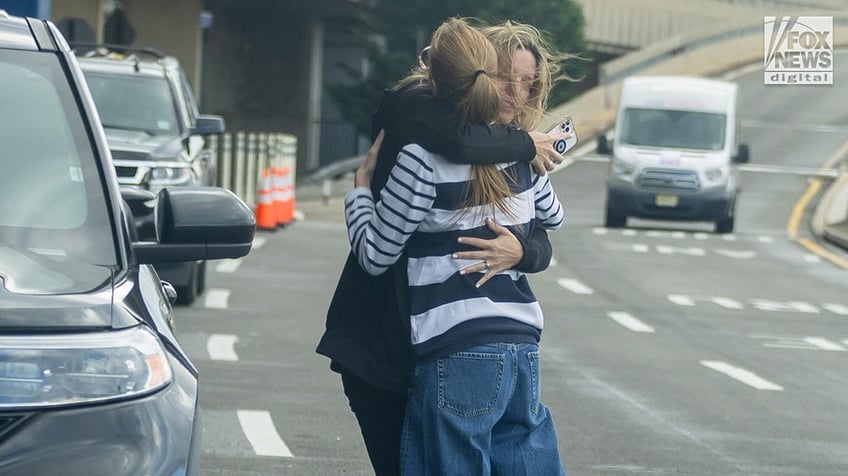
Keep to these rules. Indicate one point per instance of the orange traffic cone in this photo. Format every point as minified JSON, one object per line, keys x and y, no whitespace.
{"x":265,"y":216}
{"x":279,"y":195}
{"x":283,"y":196}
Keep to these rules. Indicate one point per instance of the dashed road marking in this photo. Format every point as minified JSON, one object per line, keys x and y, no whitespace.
{"x":681,"y":300}
{"x":674,"y":250}
{"x":575,"y":286}
{"x":738,"y":254}
{"x":630,"y":322}
{"x":216,"y":299}
{"x":785,"y":306}
{"x":800,"y":343}
{"x":728,"y":303}
{"x":836,"y":309}
{"x":824,"y":344}
{"x":222,"y":347}
{"x":228,"y":266}
{"x":260,"y":431}
{"x":745,"y":376}
{"x":770,"y":305}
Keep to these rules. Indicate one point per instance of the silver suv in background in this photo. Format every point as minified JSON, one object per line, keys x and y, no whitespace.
{"x":157,"y":136}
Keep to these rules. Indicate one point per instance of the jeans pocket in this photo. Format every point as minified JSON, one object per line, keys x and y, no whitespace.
{"x":535,"y":381}
{"x":469,"y":382}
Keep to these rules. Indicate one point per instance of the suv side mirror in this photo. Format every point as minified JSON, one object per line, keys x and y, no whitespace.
{"x":198,"y":223}
{"x":209,"y":124}
{"x":140,"y":203}
{"x":604,"y":147}
{"x":741,"y":154}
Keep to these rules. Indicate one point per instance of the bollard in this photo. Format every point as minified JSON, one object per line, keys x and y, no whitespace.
{"x":326,"y":191}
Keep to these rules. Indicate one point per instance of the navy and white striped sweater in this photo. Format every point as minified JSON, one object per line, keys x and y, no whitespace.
{"x":420,"y":211}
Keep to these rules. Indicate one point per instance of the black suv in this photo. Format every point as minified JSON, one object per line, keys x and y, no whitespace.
{"x":155,"y":133}
{"x":92,"y":378}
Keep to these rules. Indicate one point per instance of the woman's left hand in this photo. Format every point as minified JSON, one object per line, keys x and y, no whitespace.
{"x":366,"y":169}
{"x":494,"y":255}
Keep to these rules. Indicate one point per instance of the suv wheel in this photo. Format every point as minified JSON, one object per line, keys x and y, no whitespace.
{"x":188,"y":293}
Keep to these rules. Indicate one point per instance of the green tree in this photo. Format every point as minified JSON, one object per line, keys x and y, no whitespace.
{"x":394,"y":31}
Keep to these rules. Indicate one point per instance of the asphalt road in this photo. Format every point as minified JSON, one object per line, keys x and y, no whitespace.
{"x":667,"y":349}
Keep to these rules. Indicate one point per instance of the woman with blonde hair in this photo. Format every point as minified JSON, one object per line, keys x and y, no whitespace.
{"x":474,"y":406}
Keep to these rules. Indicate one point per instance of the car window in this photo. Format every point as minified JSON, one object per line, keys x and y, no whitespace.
{"x":137,"y":103}
{"x":191,"y":103}
{"x":669,"y":128}
{"x":55,"y":231}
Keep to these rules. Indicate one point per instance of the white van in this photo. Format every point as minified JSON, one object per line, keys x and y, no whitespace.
{"x":675,"y":152}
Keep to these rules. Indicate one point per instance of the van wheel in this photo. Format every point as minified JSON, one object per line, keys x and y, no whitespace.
{"x":725,"y":225}
{"x":615,"y":219}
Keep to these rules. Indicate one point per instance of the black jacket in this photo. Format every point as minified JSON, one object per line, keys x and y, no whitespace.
{"x":367,"y":328}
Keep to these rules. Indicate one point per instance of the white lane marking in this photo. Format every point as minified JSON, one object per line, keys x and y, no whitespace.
{"x":728,"y":237}
{"x":600,"y":231}
{"x":738,"y":254}
{"x":792,"y":342}
{"x":836,"y":309}
{"x":745,"y":376}
{"x":728,"y":303}
{"x":222,"y":347}
{"x":681,"y":300}
{"x":216,"y":298}
{"x":629,"y":322}
{"x":640,"y":248}
{"x":575,"y":286}
{"x":811,"y":258}
{"x":701,"y":235}
{"x":228,"y":266}
{"x":668,"y":250}
{"x":765,"y":239}
{"x":258,"y":242}
{"x":628,"y":232}
{"x":787,"y":306}
{"x":260,"y":431}
{"x":824,"y":344}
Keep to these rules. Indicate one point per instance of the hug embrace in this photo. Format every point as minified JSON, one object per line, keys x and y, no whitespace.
{"x":433,"y":326}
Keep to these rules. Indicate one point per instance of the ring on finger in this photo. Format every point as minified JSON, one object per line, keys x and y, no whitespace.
{"x":485,"y":265}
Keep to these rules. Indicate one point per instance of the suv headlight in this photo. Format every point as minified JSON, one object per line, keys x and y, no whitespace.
{"x":170,"y":175}
{"x":72,"y":369}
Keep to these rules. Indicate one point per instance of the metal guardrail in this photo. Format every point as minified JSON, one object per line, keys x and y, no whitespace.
{"x":241,"y":157}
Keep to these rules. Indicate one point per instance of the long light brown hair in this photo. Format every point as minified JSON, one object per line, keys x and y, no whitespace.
{"x":462,"y":67}
{"x":508,"y":37}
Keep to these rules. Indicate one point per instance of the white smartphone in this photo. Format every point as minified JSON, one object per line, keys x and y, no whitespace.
{"x":565,"y":125}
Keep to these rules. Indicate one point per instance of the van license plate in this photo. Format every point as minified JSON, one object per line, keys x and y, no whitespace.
{"x":666,"y":200}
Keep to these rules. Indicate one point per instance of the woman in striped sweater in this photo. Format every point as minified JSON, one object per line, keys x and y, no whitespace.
{"x":474,"y":407}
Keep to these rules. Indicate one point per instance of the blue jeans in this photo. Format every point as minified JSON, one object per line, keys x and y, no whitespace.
{"x":477,"y":412}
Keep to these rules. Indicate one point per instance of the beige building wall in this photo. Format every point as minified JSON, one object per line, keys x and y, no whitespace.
{"x":172,"y":27}
{"x":89,"y":10}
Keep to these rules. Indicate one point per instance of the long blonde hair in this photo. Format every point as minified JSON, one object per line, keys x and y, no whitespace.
{"x":508,"y":37}
{"x":490,"y":185}
{"x":462,"y":67}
